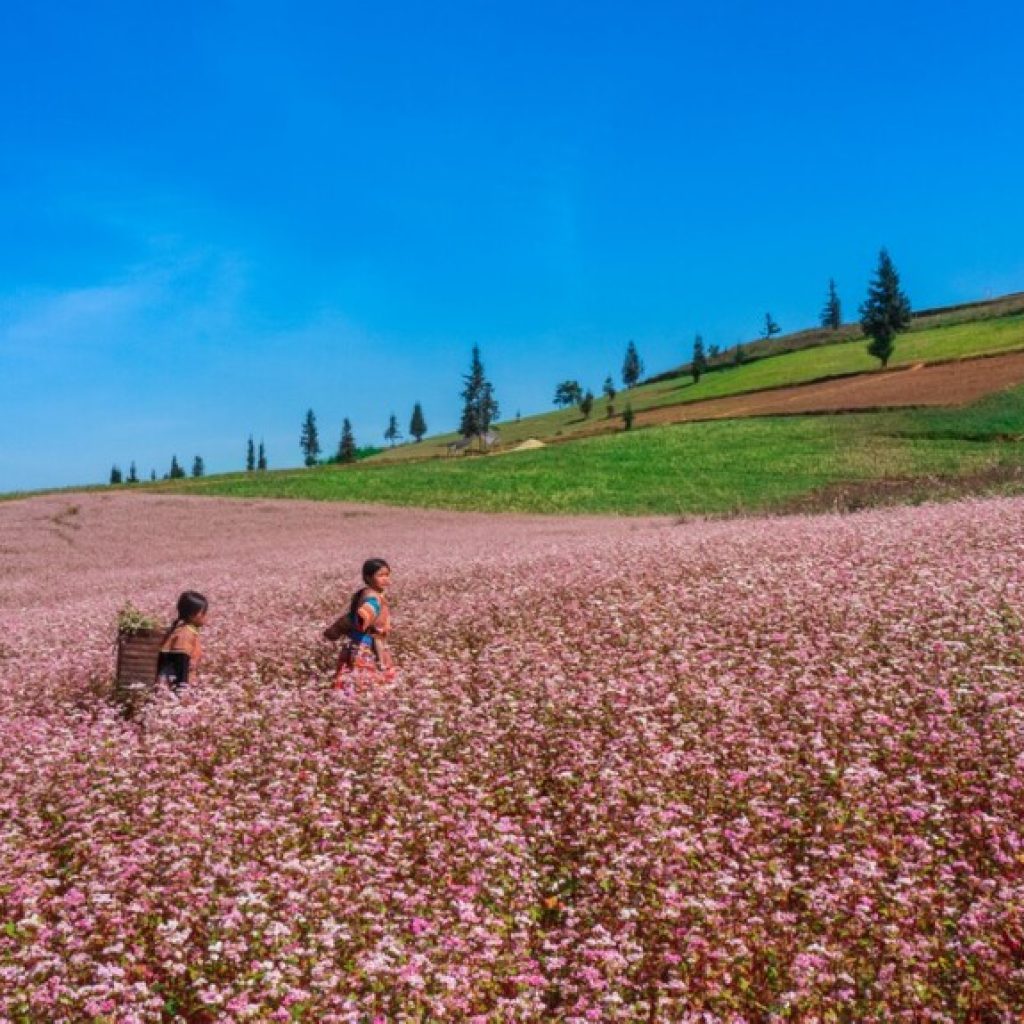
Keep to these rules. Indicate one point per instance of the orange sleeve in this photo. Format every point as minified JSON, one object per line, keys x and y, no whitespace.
{"x":184,"y":640}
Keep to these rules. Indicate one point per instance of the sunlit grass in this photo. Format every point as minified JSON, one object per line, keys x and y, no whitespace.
{"x":936,"y":344}
{"x":695,"y":468}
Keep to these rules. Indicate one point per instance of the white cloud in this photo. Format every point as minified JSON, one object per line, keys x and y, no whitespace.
{"x":182,"y":294}
{"x":73,"y":317}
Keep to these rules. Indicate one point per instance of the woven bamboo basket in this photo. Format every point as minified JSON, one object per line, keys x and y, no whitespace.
{"x":137,"y":655}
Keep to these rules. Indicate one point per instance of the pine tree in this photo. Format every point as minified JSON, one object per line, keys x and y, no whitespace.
{"x":347,"y":444}
{"x":480,"y":408}
{"x":261,"y":462}
{"x":198,"y":469}
{"x":392,"y":433}
{"x":250,"y":456}
{"x":176,"y":472}
{"x":587,"y":404}
{"x":886,"y":310}
{"x":133,"y":476}
{"x":714,"y":351}
{"x":115,"y":474}
{"x":632,"y":367}
{"x":310,"y":439}
{"x":699,"y":362}
{"x":417,"y":425}
{"x":832,"y":311}
{"x":770,"y":329}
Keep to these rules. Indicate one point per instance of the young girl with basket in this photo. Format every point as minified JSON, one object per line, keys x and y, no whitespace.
{"x":182,"y":648}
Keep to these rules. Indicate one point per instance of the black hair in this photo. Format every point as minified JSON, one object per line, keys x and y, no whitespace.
{"x":370,"y":568}
{"x":190,"y":604}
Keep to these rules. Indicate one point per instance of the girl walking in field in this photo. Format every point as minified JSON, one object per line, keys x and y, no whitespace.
{"x":182,"y":648}
{"x":364,"y":630}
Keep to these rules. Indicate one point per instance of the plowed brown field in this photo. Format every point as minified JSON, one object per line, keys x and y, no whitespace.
{"x":951,"y":384}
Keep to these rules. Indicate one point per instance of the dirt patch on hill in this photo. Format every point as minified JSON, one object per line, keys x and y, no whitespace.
{"x":944,"y":384}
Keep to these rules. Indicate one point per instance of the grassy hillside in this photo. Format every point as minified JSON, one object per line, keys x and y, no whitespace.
{"x":699,"y":468}
{"x":706,"y":467}
{"x":934,"y":344}
{"x":921,"y":320}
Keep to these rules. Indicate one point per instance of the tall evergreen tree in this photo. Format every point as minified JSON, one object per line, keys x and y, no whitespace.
{"x":250,"y":456}
{"x":632,"y":367}
{"x":261,"y":462}
{"x":115,"y":474}
{"x":886,"y":310}
{"x":392,"y":433}
{"x":310,"y":439}
{"x":699,"y":361}
{"x":176,"y":472}
{"x":832,"y":311}
{"x":417,"y":425}
{"x":133,"y":476}
{"x":347,"y":444}
{"x":770,"y":329}
{"x":198,"y":469}
{"x":480,"y":408}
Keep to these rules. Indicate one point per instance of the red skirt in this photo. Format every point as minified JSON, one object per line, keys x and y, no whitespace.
{"x":358,"y":665}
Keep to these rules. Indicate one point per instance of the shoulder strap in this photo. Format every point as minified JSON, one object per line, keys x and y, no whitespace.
{"x":357,"y":600}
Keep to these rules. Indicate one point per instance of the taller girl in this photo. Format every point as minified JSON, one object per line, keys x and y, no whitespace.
{"x":365,"y":628}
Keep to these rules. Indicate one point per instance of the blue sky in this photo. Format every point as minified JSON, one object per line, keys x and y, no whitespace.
{"x":216,"y":215}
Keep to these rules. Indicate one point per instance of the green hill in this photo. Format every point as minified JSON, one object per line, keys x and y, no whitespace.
{"x":719,"y":467}
{"x":712,"y":468}
{"x":936,"y":336}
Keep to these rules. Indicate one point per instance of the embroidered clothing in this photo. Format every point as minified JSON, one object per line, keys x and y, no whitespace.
{"x":364,"y":656}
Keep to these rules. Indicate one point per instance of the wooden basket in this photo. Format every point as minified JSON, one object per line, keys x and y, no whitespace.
{"x":137,"y":655}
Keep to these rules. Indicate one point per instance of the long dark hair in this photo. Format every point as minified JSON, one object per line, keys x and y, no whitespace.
{"x":370,"y":568}
{"x":190,"y":604}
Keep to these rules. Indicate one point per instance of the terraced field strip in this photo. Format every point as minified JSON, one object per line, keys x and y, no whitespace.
{"x":945,"y":384}
{"x":818,"y":364}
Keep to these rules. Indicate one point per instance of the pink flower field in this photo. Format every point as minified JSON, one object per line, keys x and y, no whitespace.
{"x":631,"y":770}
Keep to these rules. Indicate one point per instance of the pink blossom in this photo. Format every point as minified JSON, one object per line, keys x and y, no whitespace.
{"x":758,"y":769}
